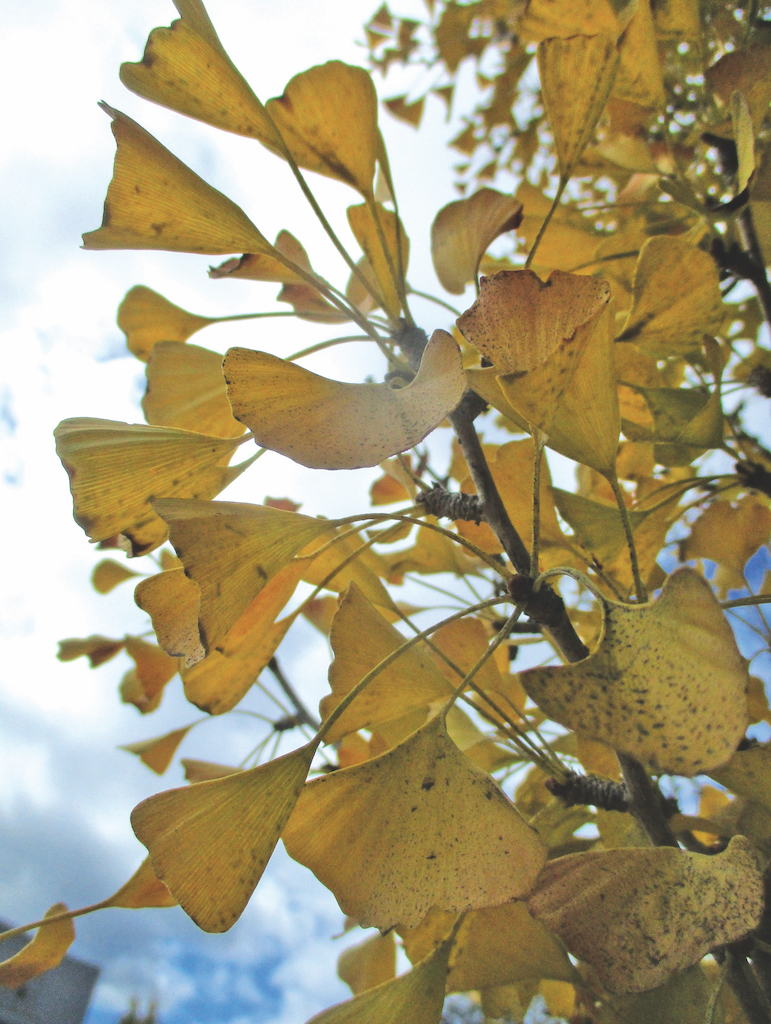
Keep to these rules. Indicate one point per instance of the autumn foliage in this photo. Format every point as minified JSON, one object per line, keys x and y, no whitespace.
{"x":595,"y":828}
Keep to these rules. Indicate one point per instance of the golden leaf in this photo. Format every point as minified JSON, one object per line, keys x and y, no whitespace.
{"x":210,"y":842}
{"x":115,"y":469}
{"x":748,"y":774}
{"x":155,"y":202}
{"x":639,"y":76}
{"x":173,"y":603}
{"x":231,"y":551}
{"x":327,"y":117}
{"x":544,"y":19}
{"x":665,"y":684}
{"x":360,"y":639}
{"x":109,"y":574}
{"x":324,"y":424}
{"x":368,"y":963}
{"x":638,"y":915}
{"x":143,"y":889}
{"x":186,"y":389}
{"x":146,"y":318}
{"x":158,"y":752}
{"x":729,"y":533}
{"x":410,"y":113}
{"x":388,"y":267}
{"x":45,"y":951}
{"x":518,"y":321}
{"x":98,"y":649}
{"x":416,"y":827}
{"x":205,"y":771}
{"x":261,"y":267}
{"x":143,"y":685}
{"x":463,"y":231}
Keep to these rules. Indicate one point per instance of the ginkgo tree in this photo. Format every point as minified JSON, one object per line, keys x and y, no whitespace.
{"x":518,"y":832}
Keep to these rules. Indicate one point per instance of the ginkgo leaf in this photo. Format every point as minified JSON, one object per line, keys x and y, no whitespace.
{"x":748,"y":774}
{"x":462,"y":232}
{"x":410,"y":113}
{"x":158,"y":752}
{"x":545,"y":19}
{"x":432,"y":552}
{"x":155,"y":202}
{"x":173,"y":603}
{"x":576,"y":75}
{"x":262,"y":267}
{"x":45,"y":951}
{"x":494,"y":946}
{"x":143,"y":889}
{"x":210,"y":842}
{"x":143,"y":685}
{"x":597,"y":527}
{"x":666,"y":683}
{"x":417,"y":827}
{"x":572,"y":397}
{"x":231,"y":551}
{"x":98,"y":649}
{"x":310,"y":305}
{"x":368,"y":963}
{"x":638,"y":915}
{"x":518,"y":320}
{"x":747,"y":70}
{"x":327,"y":117}
{"x":389,"y":267}
{"x":325,"y":424}
{"x":205,"y":771}
{"x":639,"y":77}
{"x":185,"y":67}
{"x":109,"y":574}
{"x":364,"y":570}
{"x":225,"y":676}
{"x":416,"y":996}
{"x":360,"y":639}
{"x":729,"y":533}
{"x":186,"y":389}
{"x":676,"y":298}
{"x":116,"y":468}
{"x":146,"y":318}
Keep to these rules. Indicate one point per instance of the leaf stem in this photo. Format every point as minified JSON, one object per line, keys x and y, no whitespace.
{"x":303,"y":714}
{"x":641,"y":591}
{"x":549,"y":215}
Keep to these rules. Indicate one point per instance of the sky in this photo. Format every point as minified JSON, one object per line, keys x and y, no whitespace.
{"x":67,"y":791}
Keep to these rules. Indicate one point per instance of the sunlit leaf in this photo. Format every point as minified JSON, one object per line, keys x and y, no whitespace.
{"x":676,"y":298}
{"x":518,"y":321}
{"x":210,"y":842}
{"x":494,"y":946}
{"x":747,"y":70}
{"x":576,"y":75}
{"x":639,"y":76}
{"x":364,"y":221}
{"x":597,"y":527}
{"x":310,"y":305}
{"x":143,"y":685}
{"x":729,"y":533}
{"x":186,"y":389}
{"x":157,"y":753}
{"x":324,"y":424}
{"x":360,"y":639}
{"x":432,"y":552}
{"x":566,"y":245}
{"x":155,"y":202}
{"x":143,"y":889}
{"x":231,"y":551}
{"x":748,"y":774}
{"x":45,"y":951}
{"x":327,"y":116}
{"x":666,"y":683}
{"x":463,"y":231}
{"x":146,"y":318}
{"x":225,"y":676}
{"x":115,"y":469}
{"x":417,"y":827}
{"x":638,"y":915}
{"x":545,"y":19}
{"x":109,"y":574}
{"x":368,"y":963}
{"x":364,"y":570}
{"x":98,"y":649}
{"x":205,"y":771}
{"x":185,"y":67}
{"x":410,"y":113}
{"x":173,"y":603}
{"x":416,"y":996}
{"x":262,"y":267}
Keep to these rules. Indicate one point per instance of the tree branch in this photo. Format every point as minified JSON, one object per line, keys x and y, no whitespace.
{"x":304,"y":717}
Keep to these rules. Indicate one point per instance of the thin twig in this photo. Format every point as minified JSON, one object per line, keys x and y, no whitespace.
{"x":304,"y":717}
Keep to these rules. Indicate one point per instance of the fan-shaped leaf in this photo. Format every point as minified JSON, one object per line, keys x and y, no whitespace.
{"x":45,"y":951}
{"x":146,"y":318}
{"x":389,"y":270}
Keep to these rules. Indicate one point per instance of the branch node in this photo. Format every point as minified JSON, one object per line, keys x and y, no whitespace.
{"x":590,"y":789}
{"x":542,"y":605}
{"x":446,"y":504}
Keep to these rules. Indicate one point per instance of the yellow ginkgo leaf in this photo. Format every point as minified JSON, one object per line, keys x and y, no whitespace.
{"x":747,"y":70}
{"x":116,"y":468}
{"x":143,"y":685}
{"x":231,"y":551}
{"x":173,"y":603}
{"x":325,"y":424}
{"x":360,"y":639}
{"x":146,"y":318}
{"x":596,"y":527}
{"x":416,"y":827}
{"x":310,"y":305}
{"x":261,"y":267}
{"x":494,"y":946}
{"x":210,"y":842}
{"x":518,"y":321}
{"x":639,"y":77}
{"x":417,"y":997}
{"x":186,"y":389}
{"x":327,"y":117}
{"x":389,"y":267}
{"x":432,"y":552}
{"x":44,"y":952}
{"x":158,"y":752}
{"x":677,"y":298}
{"x":108,"y":574}
{"x":225,"y":676}
{"x":748,"y":774}
{"x":545,"y":19}
{"x":729,"y":533}
{"x":666,"y":683}
{"x":98,"y":649}
{"x":638,"y":915}
{"x":568,"y":244}
{"x":205,"y":771}
{"x":368,"y":963}
{"x":576,"y":75}
{"x":143,"y":889}
{"x":364,"y":570}
{"x":155,"y":202}
{"x":462,"y":232}
{"x":185,"y":67}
